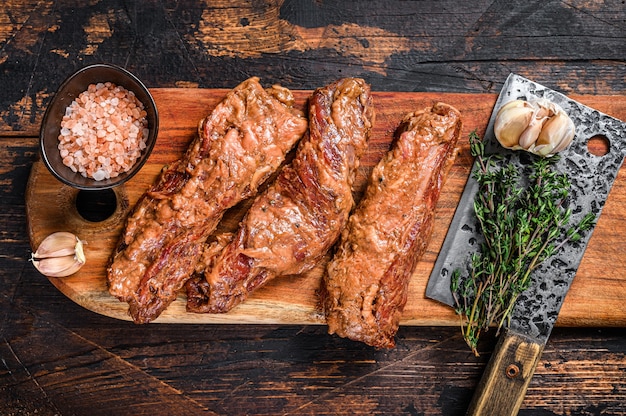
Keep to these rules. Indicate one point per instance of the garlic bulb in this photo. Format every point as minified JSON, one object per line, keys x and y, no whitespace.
{"x":540,"y":127}
{"x":60,"y":254}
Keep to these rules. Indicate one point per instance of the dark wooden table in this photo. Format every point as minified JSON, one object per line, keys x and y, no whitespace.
{"x":60,"y":359}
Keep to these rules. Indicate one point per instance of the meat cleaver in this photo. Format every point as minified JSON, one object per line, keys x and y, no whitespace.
{"x":503,"y":385}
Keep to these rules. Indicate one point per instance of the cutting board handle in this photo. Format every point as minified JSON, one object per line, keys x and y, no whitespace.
{"x":503,"y":385}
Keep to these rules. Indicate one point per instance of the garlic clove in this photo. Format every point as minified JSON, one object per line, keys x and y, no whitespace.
{"x":529,"y":136}
{"x":511,"y":121}
{"x":59,"y":255}
{"x":539,"y":126}
{"x":556,"y":135}
{"x":56,"y":244}
{"x":58,"y":266}
{"x":544,"y":108}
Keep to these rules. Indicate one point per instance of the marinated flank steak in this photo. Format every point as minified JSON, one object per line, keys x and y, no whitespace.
{"x":293,"y":224}
{"x":239,"y":145}
{"x":365,"y":286}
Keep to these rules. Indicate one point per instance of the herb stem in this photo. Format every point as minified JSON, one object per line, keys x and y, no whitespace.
{"x":520,"y":225}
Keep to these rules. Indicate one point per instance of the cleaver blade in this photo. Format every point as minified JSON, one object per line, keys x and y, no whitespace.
{"x":512,"y":364}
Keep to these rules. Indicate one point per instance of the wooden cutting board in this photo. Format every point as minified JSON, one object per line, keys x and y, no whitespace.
{"x":596,"y":298}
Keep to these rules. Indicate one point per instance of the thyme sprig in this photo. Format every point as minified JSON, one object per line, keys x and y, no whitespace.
{"x":523,"y":225}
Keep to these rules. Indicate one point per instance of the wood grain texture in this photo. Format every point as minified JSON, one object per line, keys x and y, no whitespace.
{"x":395,"y":45}
{"x":58,"y":358}
{"x":293,"y":300}
{"x":503,"y":385}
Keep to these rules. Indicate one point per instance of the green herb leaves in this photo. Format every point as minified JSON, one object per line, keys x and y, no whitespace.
{"x":523,"y":220}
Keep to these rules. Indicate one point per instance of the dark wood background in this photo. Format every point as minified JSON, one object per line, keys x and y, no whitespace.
{"x":59,"y":359}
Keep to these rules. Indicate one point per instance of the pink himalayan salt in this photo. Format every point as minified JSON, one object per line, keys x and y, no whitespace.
{"x":103,"y":132}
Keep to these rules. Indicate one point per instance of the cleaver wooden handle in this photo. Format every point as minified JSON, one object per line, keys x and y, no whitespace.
{"x":503,"y":385}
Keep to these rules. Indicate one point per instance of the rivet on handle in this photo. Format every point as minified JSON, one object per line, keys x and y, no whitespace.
{"x":512,"y":371}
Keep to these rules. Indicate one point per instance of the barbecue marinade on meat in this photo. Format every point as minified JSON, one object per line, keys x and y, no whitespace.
{"x":239,"y":145}
{"x":364,"y":289}
{"x":293,"y":224}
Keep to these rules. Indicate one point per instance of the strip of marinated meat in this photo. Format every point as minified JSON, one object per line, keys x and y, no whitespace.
{"x":239,"y":145}
{"x":364,"y":289}
{"x":293,"y":224}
